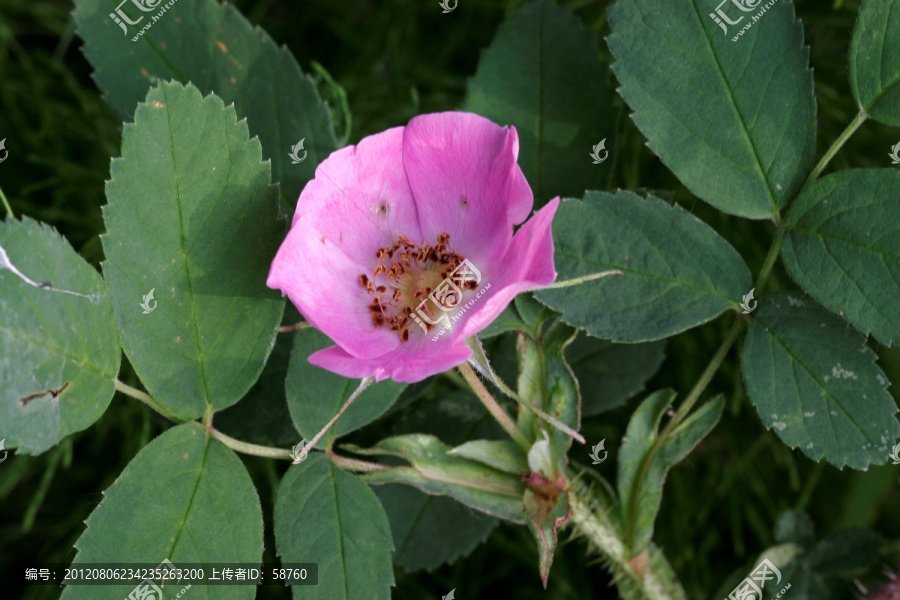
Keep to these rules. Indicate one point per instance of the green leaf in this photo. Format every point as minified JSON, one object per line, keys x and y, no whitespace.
{"x":875,"y":60}
{"x":428,"y":530}
{"x":543,"y":74}
{"x":544,"y":516}
{"x":546,"y":381}
{"x":214,"y":47}
{"x":59,"y":352}
{"x":608,"y":374}
{"x":734,"y":120}
{"x":642,"y":473}
{"x":330,"y":517}
{"x":185,"y":497}
{"x":679,"y":273}
{"x":199,"y":229}
{"x":503,"y":455}
{"x":315,"y":395}
{"x":432,"y":470}
{"x":845,"y":551}
{"x":843,"y":247}
{"x":262,"y":415}
{"x":814,"y":380}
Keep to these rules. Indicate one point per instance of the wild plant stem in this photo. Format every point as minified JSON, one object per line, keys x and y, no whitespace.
{"x":365,"y":383}
{"x":492,"y":407}
{"x":652,"y":576}
{"x":246,"y":448}
{"x":9,"y":210}
{"x":236,"y":445}
{"x":146,"y":399}
{"x":838,"y":143}
{"x":762,"y":278}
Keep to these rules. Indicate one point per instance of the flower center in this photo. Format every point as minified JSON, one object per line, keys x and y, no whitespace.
{"x":404,"y":281}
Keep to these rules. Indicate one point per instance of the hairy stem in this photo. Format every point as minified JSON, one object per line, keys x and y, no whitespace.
{"x":236,"y":445}
{"x":491,"y":405}
{"x":647,"y":576}
{"x":245,"y":448}
{"x":146,"y":399}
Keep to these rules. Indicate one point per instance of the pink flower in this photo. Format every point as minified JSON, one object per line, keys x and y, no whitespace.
{"x":390,"y":238}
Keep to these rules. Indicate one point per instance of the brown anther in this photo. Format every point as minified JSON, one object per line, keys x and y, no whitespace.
{"x":364,"y":281}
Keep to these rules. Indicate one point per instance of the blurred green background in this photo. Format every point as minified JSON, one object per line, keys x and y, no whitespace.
{"x":396,"y":59}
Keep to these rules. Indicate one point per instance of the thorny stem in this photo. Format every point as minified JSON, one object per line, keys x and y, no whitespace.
{"x":312,"y":443}
{"x":649,"y":574}
{"x":491,"y":405}
{"x":9,"y":210}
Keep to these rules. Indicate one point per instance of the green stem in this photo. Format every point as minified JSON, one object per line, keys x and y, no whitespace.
{"x":491,"y":405}
{"x":771,"y":257}
{"x":9,"y":210}
{"x":354,"y":464}
{"x":245,"y":448}
{"x":838,"y":143}
{"x":704,"y":380}
{"x":146,"y":399}
{"x":646,"y":576}
{"x":236,"y":445}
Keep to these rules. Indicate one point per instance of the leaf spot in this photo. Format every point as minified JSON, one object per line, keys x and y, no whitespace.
{"x":54,"y":393}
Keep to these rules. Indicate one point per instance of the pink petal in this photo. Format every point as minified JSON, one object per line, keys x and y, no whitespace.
{"x":527,"y":265}
{"x":360,"y":199}
{"x":463,"y":173}
{"x":323,"y":283}
{"x":399,"y":366}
